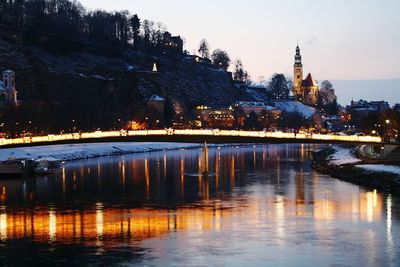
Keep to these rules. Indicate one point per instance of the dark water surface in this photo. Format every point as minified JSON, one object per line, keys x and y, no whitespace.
{"x":257,"y":206}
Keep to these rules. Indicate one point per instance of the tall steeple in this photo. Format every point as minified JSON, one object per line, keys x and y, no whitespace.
{"x":298,"y":75}
{"x":297,"y":58}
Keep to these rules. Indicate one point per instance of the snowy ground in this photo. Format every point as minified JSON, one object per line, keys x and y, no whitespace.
{"x":343,"y":156}
{"x":380,"y":168}
{"x":83,"y":151}
{"x":291,"y":106}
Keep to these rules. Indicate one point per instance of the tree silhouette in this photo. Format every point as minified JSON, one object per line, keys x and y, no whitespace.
{"x":279,"y":87}
{"x":204,"y":49}
{"x":221,"y":59}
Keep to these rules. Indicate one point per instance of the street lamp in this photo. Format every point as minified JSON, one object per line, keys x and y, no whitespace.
{"x":387,"y":130}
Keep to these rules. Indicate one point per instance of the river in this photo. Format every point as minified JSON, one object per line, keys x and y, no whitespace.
{"x":251,"y":206}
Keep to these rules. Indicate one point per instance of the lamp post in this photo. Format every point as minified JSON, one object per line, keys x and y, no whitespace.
{"x":387,"y":130}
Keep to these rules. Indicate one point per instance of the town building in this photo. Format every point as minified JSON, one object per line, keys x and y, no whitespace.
{"x":362,"y":107}
{"x":305,"y":91}
{"x":207,"y":117}
{"x":267,"y":115}
{"x":156,"y":102}
{"x":172,"y":44}
{"x":8,"y":92}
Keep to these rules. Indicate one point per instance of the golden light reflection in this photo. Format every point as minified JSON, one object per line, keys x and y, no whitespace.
{"x":165,"y":165}
{"x":147,"y":175}
{"x":390,"y":241}
{"x":138,"y":223}
{"x":362,"y":206}
{"x":63,"y":176}
{"x":3,"y":224}
{"x":389,"y":215}
{"x":99,"y":220}
{"x":371,"y":204}
{"x":217,"y":166}
{"x":182,"y":174}
{"x":52,"y":224}
{"x":141,"y":223}
{"x":232,"y":170}
{"x":280,"y":218}
{"x":123,"y":172}
{"x":254,"y":157}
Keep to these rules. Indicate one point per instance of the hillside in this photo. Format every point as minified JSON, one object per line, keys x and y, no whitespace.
{"x":103,"y":88}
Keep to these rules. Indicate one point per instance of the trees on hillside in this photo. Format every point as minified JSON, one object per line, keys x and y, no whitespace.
{"x":221,"y":59}
{"x":240,"y":74}
{"x":135,"y":30}
{"x":69,"y":19}
{"x":279,"y":86}
{"x":204,"y":49}
{"x":327,"y":100}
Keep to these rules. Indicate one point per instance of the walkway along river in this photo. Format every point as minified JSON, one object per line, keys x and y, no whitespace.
{"x":256,"y":206}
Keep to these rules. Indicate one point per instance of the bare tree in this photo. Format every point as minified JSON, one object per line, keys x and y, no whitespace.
{"x":204,"y":49}
{"x":240,"y":74}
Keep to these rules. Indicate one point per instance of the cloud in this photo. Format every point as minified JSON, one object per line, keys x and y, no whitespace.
{"x":313,"y":42}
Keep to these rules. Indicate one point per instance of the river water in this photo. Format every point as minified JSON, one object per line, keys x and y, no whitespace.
{"x":253,"y":206}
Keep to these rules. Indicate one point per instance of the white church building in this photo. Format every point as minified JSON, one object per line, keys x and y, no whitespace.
{"x":8,"y":92}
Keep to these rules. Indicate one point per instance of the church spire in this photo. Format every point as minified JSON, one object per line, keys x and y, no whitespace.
{"x":297,"y":58}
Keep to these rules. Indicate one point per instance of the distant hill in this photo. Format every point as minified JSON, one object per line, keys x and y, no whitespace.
{"x":388,"y":90}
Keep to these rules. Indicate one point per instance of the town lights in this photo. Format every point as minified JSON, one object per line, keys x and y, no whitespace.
{"x":187,"y":132}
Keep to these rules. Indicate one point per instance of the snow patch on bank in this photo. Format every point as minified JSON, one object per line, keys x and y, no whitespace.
{"x":380,"y":168}
{"x":84,"y":151}
{"x":343,"y":156}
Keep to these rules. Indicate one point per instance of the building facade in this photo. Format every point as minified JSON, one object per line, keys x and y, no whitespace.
{"x":8,"y":92}
{"x":305,"y":91}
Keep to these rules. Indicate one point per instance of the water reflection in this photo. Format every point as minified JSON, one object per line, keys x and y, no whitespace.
{"x":246,"y":199}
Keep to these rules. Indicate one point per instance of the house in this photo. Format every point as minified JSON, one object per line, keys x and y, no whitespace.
{"x":207,"y":117}
{"x":172,"y":44}
{"x":157,"y":102}
{"x":363,"y":108}
{"x":8,"y":92}
{"x":266,"y":114}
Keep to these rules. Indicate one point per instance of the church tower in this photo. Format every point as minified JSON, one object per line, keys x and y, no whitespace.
{"x":298,"y":75}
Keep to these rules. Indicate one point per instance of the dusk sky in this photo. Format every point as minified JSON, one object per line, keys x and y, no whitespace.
{"x":342,"y":39}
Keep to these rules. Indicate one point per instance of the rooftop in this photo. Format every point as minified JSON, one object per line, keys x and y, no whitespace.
{"x":309,"y":81}
{"x":156,"y":98}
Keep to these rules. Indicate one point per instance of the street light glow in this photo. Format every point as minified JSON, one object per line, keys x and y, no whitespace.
{"x":189,"y":132}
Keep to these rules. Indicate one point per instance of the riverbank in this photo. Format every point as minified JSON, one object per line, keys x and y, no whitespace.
{"x":84,"y":151}
{"x":341,"y":163}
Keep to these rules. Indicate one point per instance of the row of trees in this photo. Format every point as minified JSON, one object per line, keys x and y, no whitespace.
{"x":221,"y":59}
{"x":69,"y":19}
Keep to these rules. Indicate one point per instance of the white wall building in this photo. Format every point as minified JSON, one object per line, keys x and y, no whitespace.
{"x":8,"y":92}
